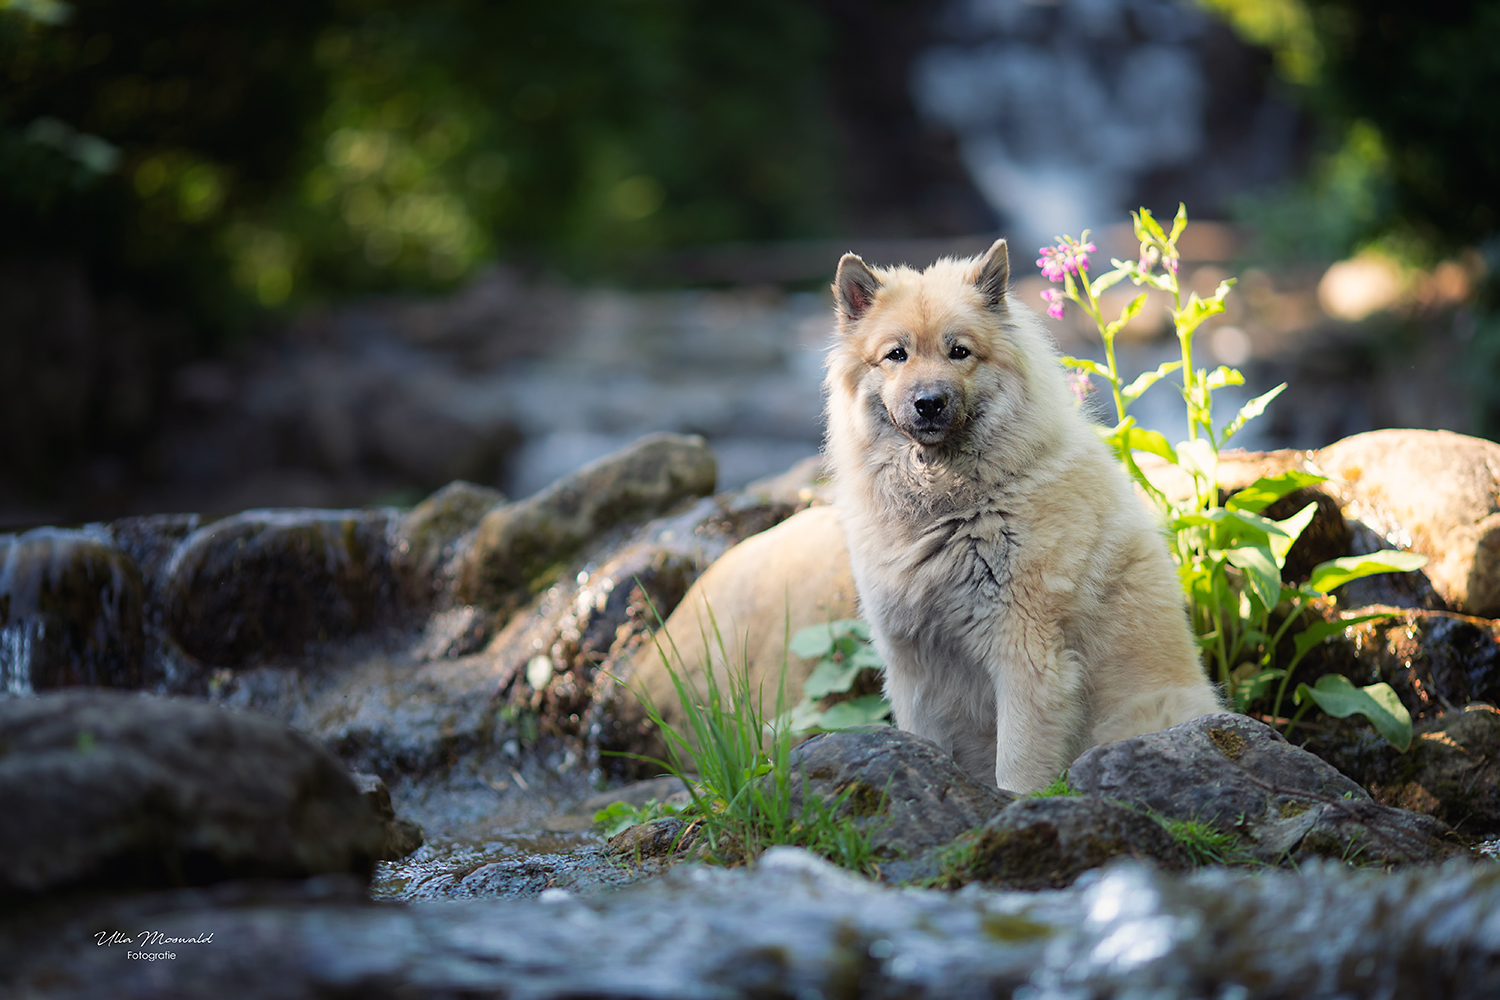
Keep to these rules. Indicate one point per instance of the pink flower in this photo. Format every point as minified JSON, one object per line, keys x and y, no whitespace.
{"x":1068,"y":257}
{"x":1079,"y":383}
{"x":1054,"y":262}
{"x":1054,"y":300}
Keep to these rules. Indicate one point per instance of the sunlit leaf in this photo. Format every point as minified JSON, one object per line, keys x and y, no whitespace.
{"x":1261,"y":568}
{"x":1131,"y":310}
{"x":1335,"y":695}
{"x":1108,"y":280}
{"x":1319,"y":631}
{"x":1337,"y":572}
{"x":1152,"y":442}
{"x":1268,"y":489}
{"x":1146,"y":380}
{"x":1293,"y":527}
{"x":1222,"y":376}
{"x":1250,"y":411}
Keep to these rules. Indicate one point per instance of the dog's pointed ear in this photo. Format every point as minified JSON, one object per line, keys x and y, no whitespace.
{"x":854,"y":287}
{"x":992,"y":274}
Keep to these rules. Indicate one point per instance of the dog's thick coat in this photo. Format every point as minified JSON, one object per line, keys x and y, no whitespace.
{"x":1018,"y":588}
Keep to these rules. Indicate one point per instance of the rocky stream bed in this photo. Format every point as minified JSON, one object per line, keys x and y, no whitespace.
{"x":357,"y":753}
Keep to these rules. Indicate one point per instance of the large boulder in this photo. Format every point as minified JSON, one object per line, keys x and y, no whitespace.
{"x":902,"y":791}
{"x":70,"y":612}
{"x":1433,"y":491}
{"x":267,"y":584}
{"x":517,"y":544}
{"x":1239,"y":776}
{"x":426,"y":537}
{"x":1046,"y":843}
{"x":107,"y":788}
{"x":748,"y":604}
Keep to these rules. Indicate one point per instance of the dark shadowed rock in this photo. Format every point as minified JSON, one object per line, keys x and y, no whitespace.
{"x":1239,"y":775}
{"x":402,"y":836}
{"x":901,"y":789}
{"x":1451,"y":771}
{"x":266,"y":584}
{"x":516,"y":543}
{"x":1042,"y":843}
{"x":70,"y":612}
{"x":108,"y":788}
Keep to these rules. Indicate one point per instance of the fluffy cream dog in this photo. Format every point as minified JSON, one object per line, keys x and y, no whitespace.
{"x":1018,"y":588}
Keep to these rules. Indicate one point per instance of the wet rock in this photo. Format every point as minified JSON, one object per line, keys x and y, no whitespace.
{"x":402,"y":836}
{"x":793,"y":925}
{"x":748,"y":604}
{"x":902,"y":790}
{"x":267,"y":584}
{"x":1434,"y":491}
{"x":517,"y":544}
{"x":425,"y":537}
{"x":657,"y":838}
{"x":1046,"y":843}
{"x":1239,"y":775}
{"x":70,"y":612}
{"x":1451,"y":771}
{"x":1435,"y":660}
{"x":107,"y":788}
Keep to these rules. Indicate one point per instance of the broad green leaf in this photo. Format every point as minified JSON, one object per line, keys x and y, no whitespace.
{"x":1126,"y":315}
{"x":1378,"y":702}
{"x":1191,"y":316}
{"x":1268,"y":489}
{"x":1108,"y":280}
{"x":1140,"y":439}
{"x":866,"y":710}
{"x":1319,"y":631}
{"x":828,"y":677}
{"x":1222,"y":376}
{"x":1337,"y":572}
{"x":1261,"y":569}
{"x":1250,"y":411}
{"x":1146,"y":380}
{"x":1293,"y":527}
{"x":820,"y":640}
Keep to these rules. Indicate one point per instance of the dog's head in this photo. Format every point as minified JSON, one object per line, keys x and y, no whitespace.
{"x":931,"y":345}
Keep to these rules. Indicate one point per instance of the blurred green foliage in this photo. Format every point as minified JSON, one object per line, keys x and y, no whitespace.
{"x":1410,"y":154}
{"x":238,"y":152}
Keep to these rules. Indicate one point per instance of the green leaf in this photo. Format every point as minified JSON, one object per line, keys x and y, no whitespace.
{"x":1292,"y":527}
{"x":866,"y":710}
{"x":1261,"y":568}
{"x":1108,"y":280}
{"x":1378,"y":702}
{"x":1146,"y":380}
{"x":1250,"y":411}
{"x":1147,"y":228}
{"x":1179,"y":223}
{"x":1126,"y":315}
{"x":1337,"y":572}
{"x":1191,"y":316}
{"x":1084,"y":364}
{"x":829,"y":677}
{"x":1152,"y":442}
{"x":1251,"y":682}
{"x":1221,"y":376}
{"x":1268,"y":489}
{"x":820,"y":640}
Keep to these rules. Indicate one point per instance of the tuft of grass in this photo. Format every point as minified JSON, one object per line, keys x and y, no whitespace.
{"x":1206,"y":845}
{"x":1059,"y":786}
{"x":735,"y":759}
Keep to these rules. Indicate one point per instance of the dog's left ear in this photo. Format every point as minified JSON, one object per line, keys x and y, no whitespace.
{"x":992,"y":275}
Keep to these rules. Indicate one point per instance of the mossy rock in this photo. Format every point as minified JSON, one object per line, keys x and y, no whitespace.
{"x":268,"y":584}
{"x":427,"y":535}
{"x":70,"y":612}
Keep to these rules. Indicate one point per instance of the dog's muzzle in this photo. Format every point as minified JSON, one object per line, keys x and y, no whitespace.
{"x":929,"y":415}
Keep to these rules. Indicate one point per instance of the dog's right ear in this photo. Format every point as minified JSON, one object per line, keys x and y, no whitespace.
{"x":854,"y":287}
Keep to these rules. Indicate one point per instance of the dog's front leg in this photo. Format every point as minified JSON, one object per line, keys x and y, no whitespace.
{"x":1038,"y":715}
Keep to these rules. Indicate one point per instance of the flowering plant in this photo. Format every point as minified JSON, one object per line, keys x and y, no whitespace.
{"x":1229,"y":556}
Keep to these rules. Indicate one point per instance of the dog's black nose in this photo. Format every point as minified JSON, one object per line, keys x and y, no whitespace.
{"x":930,"y":405}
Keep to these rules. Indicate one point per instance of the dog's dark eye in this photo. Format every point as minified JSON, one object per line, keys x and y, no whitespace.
{"x":898,"y":354}
{"x":958,"y":352}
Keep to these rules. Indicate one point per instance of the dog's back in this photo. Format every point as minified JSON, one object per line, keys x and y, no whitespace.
{"x":1018,"y":588}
